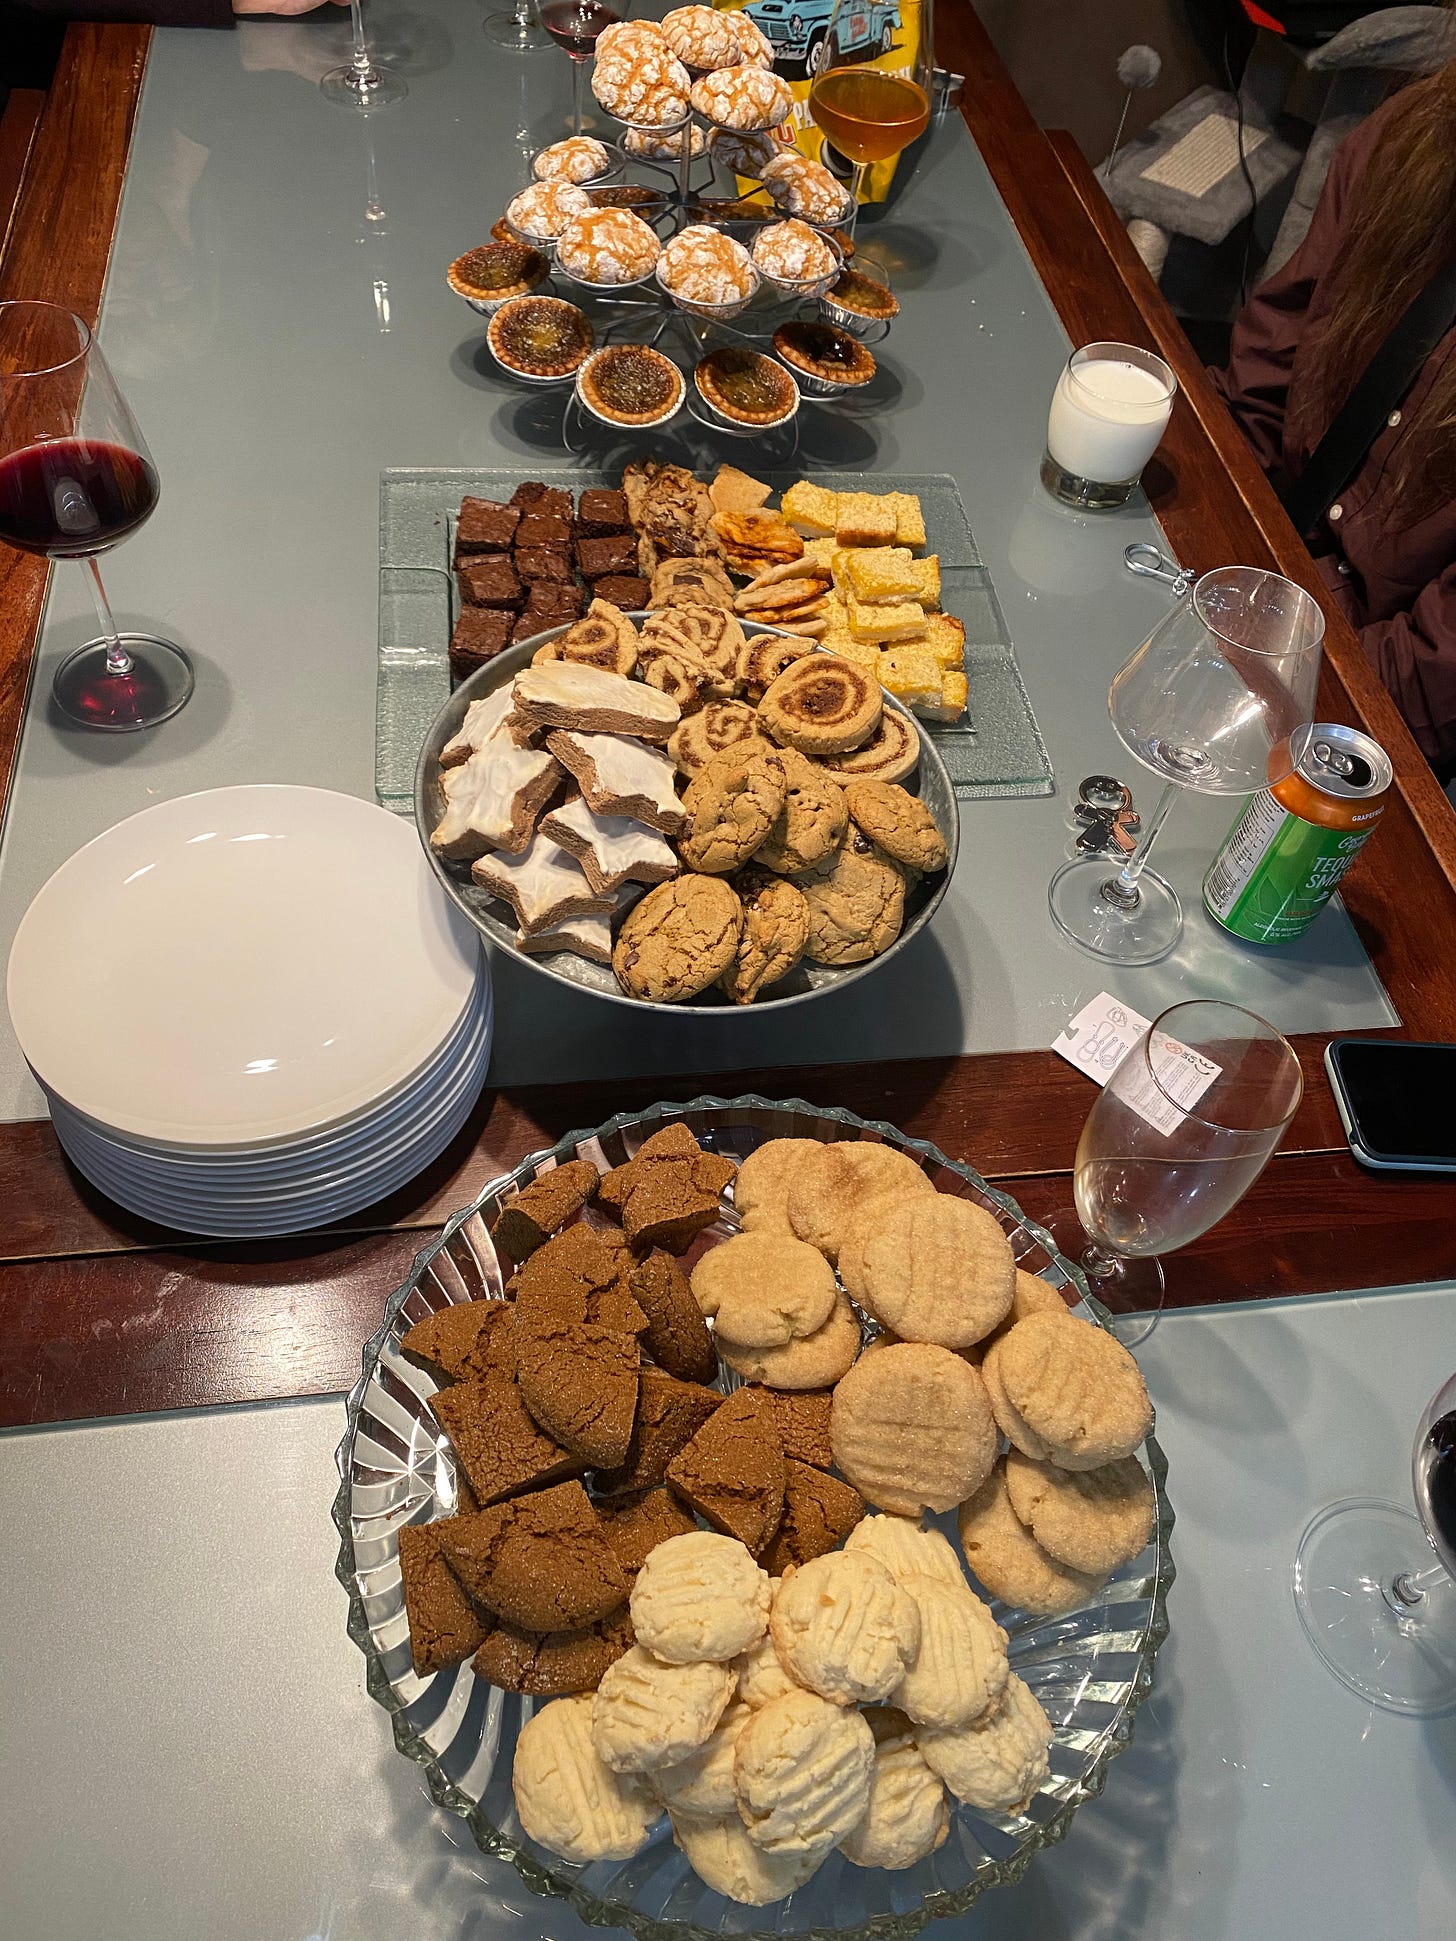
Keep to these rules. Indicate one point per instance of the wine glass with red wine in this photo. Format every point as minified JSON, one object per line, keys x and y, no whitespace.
{"x":870,"y":92}
{"x":575,"y":25}
{"x":1374,"y":1584}
{"x":76,"y":479}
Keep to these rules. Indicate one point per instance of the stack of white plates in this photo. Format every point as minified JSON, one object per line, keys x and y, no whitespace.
{"x":252,"y":1010}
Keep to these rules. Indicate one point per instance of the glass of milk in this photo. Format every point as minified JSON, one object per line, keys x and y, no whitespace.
{"x":1110,"y":408}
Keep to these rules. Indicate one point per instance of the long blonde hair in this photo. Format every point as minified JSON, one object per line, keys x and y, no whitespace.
{"x":1400,"y":230}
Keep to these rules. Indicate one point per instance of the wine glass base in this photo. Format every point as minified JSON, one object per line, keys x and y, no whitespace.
{"x":1140,"y":934}
{"x":377,"y":88}
{"x":1402,"y":1658}
{"x":1132,"y":1294}
{"x":159,"y":683}
{"x":519,"y":36}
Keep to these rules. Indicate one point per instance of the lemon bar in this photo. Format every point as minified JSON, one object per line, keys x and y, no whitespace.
{"x":879,"y":573}
{"x":887,"y":622}
{"x":952,"y":703}
{"x":865,"y":652}
{"x":811,"y":509}
{"x":909,"y":520}
{"x":912,"y":676}
{"x":864,"y":520}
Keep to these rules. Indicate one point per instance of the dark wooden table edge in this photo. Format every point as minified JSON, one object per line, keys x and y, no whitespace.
{"x":141,"y":1321}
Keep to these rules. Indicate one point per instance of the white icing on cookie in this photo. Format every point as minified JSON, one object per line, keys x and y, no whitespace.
{"x":620,"y":776}
{"x":492,"y":799}
{"x":543,"y":886}
{"x":482,"y":720}
{"x":612,"y":849}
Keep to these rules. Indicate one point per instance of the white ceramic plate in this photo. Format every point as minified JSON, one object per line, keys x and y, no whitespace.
{"x":243,"y":965}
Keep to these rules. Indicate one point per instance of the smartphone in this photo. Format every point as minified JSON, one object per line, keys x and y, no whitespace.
{"x":1397,"y":1102}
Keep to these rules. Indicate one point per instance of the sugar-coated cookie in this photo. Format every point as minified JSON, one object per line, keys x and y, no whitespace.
{"x":912,"y":1429}
{"x":1094,"y":1520}
{"x":908,"y":1815}
{"x":939,"y":1269}
{"x":803,"y":1770}
{"x":761,"y":1190}
{"x":815,"y":1361}
{"x":1077,"y":1390}
{"x":960,"y":1670}
{"x":723,"y":1857}
{"x":648,"y":1714}
{"x":829,"y":1186}
{"x":905,"y":1549}
{"x":566,"y":1798}
{"x":764,"y":1290}
{"x":1009,"y":1561}
{"x":1031,"y":1295}
{"x":700,"y":1596}
{"x":701,"y":1786}
{"x":844,"y":1628}
{"x":998,"y":1762}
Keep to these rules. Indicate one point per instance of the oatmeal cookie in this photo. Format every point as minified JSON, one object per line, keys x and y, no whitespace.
{"x":734,"y":800}
{"x":899,"y":822}
{"x":680,"y":938}
{"x":856,"y":899}
{"x":775,"y":932}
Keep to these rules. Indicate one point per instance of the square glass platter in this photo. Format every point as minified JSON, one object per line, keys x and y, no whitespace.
{"x":997,"y":750}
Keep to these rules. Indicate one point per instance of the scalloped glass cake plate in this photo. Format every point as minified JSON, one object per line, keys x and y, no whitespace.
{"x":1090,"y":1669}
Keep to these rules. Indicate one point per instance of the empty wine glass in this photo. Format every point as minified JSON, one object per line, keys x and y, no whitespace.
{"x":1373,"y":1582}
{"x":1185,"y":1125}
{"x":1209,"y":702}
{"x":360,"y":82}
{"x":76,"y":479}
{"x":517,"y":29}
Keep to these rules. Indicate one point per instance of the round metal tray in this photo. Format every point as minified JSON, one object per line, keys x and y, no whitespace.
{"x":1090,"y":1669}
{"x":805,"y":982}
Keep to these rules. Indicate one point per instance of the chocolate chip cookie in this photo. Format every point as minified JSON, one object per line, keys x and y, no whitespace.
{"x":856,"y":899}
{"x":735,"y":800}
{"x":775,"y":932}
{"x":899,"y":822}
{"x":811,"y":822}
{"x":679,"y":939}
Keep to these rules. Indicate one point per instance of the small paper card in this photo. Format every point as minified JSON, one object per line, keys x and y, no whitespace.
{"x":1100,"y":1035}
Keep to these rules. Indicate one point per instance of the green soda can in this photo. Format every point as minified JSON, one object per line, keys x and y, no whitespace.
{"x":1292,"y":843}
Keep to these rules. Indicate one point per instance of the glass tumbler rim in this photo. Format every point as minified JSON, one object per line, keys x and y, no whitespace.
{"x":87,"y":337}
{"x":1200,"y":1118}
{"x":1128,"y":353}
{"x":1305,"y":599}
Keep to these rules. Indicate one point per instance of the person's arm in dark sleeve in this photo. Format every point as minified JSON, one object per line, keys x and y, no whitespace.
{"x":1415,"y":656}
{"x":1271,"y":325}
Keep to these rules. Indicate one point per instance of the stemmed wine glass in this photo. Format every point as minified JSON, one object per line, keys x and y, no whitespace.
{"x":76,"y":479}
{"x":517,"y":29}
{"x":1374,"y":1586}
{"x":1184,"y":1126}
{"x":1211,"y":701}
{"x":360,"y":82}
{"x":575,"y":25}
{"x":870,"y":113}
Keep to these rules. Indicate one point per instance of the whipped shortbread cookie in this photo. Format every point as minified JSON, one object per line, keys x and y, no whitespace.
{"x":908,"y":1815}
{"x":802,"y":1770}
{"x":700,"y":1596}
{"x":647,"y":1714}
{"x":998,"y":1762}
{"x":843,"y":1627}
{"x":566,"y":1798}
{"x":960,"y":1670}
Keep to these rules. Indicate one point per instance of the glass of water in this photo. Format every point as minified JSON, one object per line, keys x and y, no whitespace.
{"x":1180,"y":1132}
{"x":1109,"y":411}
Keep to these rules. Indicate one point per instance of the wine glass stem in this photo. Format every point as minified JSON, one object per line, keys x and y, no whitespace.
{"x":1406,"y":1591}
{"x":1122,"y":889}
{"x":856,"y":183}
{"x":362,"y":63}
{"x":118,"y":660}
{"x":578,"y":94}
{"x":1099,"y":1263}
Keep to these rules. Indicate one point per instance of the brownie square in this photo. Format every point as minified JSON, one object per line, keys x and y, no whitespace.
{"x":600,"y":512}
{"x":535,"y":563}
{"x":480,"y":633}
{"x":624,"y":590}
{"x":551,"y":500}
{"x":543,"y":529}
{"x":614,"y":554}
{"x":556,"y":602}
{"x":485,"y":527}
{"x":489,"y":580}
